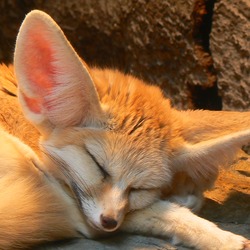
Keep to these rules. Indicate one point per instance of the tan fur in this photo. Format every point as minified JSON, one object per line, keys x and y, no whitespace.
{"x":113,"y":150}
{"x":32,"y":203}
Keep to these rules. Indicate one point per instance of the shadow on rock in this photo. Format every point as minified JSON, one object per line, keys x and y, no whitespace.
{"x":235,"y":209}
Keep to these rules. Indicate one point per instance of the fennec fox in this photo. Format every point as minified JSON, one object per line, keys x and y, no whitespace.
{"x":114,"y":154}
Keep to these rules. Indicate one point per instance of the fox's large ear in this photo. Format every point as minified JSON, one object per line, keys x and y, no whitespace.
{"x":201,"y":161}
{"x":55,"y":87}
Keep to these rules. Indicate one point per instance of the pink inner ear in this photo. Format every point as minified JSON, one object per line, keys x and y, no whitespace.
{"x":38,"y":67}
{"x":38,"y":59}
{"x":33,"y":104}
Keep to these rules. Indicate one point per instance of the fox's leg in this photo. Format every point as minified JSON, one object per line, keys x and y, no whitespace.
{"x":167,"y":219}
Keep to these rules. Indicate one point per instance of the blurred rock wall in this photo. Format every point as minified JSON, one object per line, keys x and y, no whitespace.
{"x":197,"y":51}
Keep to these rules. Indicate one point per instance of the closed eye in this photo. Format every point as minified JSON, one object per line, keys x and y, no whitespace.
{"x":101,"y":168}
{"x":138,"y":189}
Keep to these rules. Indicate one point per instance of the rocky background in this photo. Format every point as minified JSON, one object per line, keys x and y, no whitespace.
{"x":197,"y":51}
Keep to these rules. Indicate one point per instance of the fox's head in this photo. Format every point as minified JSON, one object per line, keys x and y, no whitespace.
{"x":93,"y":125}
{"x":109,"y":174}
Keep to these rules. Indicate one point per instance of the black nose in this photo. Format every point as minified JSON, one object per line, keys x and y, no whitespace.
{"x":108,"y":222}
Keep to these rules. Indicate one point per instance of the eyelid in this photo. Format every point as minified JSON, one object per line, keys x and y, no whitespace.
{"x":104,"y":172}
{"x":132,"y":189}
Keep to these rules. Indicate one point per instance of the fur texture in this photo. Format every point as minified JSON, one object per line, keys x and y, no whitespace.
{"x":114,"y":154}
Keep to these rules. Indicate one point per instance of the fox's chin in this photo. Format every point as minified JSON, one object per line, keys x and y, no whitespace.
{"x":99,"y":227}
{"x":109,"y":230}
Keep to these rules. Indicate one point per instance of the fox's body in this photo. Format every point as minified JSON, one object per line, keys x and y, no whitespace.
{"x":112,"y":150}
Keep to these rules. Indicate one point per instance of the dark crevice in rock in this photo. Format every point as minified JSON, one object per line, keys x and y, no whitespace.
{"x":10,"y":22}
{"x":205,"y":96}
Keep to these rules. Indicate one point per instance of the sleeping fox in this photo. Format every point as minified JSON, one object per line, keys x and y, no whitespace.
{"x":113,"y":154}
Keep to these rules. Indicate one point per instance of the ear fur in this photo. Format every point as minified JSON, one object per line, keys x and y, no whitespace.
{"x":201,"y":161}
{"x":55,"y":86}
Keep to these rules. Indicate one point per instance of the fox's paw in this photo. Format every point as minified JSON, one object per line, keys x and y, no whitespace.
{"x":230,"y":241}
{"x":222,"y":241}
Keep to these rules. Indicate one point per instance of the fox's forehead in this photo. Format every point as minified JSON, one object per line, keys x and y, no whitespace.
{"x":137,"y":163}
{"x":134,"y":163}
